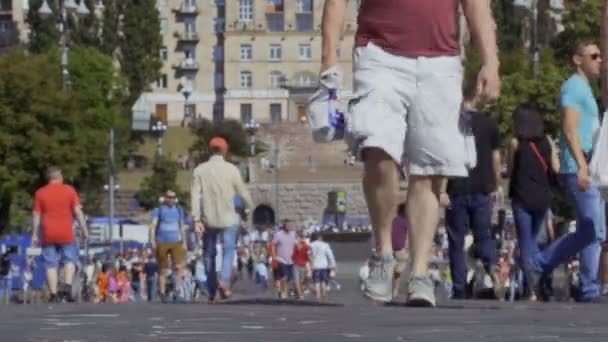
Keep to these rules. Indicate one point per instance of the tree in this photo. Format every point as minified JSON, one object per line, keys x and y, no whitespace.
{"x":43,"y":32}
{"x":140,"y":45}
{"x":110,"y":36}
{"x":86,"y":31}
{"x":163,"y":178}
{"x":229,"y":129}
{"x":44,"y":125}
{"x":582,"y":21}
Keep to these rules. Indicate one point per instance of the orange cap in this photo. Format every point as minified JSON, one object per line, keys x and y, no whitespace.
{"x":220,"y":143}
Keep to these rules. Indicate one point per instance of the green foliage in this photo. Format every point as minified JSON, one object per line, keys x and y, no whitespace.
{"x":163,"y":178}
{"x":230,"y":129}
{"x":43,"y":125}
{"x":86,"y":31}
{"x":43,"y":32}
{"x":110,"y":38}
{"x":140,"y":45}
{"x":582,"y":21}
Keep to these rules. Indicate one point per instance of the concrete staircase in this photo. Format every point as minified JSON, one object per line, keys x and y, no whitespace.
{"x":301,"y":160}
{"x":124,"y":206}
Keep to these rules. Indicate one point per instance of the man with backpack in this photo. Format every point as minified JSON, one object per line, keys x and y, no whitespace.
{"x":168,"y":238}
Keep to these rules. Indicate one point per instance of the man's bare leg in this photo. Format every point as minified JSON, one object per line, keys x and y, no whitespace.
{"x":423,"y":216}
{"x":51,"y":280}
{"x":380,"y":185}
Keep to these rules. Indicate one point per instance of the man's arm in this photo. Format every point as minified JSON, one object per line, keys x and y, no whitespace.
{"x":241,"y":190}
{"x":483,"y":29}
{"x":570,"y":119}
{"x":35,"y":228}
{"x":195,"y":197}
{"x":604,"y":44}
{"x":82,"y":222}
{"x":497,"y":161}
{"x":331,"y":27}
{"x":153,"y":226}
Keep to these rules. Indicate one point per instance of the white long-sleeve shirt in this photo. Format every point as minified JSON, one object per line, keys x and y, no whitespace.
{"x":321,"y":256}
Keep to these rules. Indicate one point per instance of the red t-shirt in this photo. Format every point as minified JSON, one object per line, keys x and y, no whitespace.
{"x":274,"y":264}
{"x":55,"y":203}
{"x":300,"y":254}
{"x":412,"y":28}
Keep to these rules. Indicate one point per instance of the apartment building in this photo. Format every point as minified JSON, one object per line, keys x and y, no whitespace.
{"x":12,"y":22}
{"x":273,"y":56}
{"x":241,"y":59}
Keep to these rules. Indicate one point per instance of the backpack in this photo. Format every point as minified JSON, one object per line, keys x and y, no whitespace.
{"x":160,"y":214}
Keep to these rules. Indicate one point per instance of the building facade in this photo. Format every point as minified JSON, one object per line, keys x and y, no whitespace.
{"x":12,"y":22}
{"x":239,"y":59}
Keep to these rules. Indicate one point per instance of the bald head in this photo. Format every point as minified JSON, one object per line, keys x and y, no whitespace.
{"x":54,"y":174}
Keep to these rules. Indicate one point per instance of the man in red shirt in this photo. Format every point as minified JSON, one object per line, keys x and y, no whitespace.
{"x":55,"y":206}
{"x":301,"y":264}
{"x":407,"y":75}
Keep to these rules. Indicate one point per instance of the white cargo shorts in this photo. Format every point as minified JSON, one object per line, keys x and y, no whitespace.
{"x":410,"y":108}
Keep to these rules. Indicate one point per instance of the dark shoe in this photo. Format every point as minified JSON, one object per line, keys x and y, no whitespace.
{"x":459,"y":296}
{"x":164,"y":298}
{"x":54,"y":298}
{"x":66,"y":293}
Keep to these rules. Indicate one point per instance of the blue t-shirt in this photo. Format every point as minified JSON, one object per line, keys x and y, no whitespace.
{"x":169,"y":218}
{"x":576,"y":93}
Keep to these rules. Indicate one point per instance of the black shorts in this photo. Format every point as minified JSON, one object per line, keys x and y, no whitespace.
{"x":284,"y":272}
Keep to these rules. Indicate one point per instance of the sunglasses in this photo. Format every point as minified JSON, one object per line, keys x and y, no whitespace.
{"x":171,"y":197}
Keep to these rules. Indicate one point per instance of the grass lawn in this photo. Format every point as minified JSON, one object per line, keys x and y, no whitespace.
{"x":176,"y":141}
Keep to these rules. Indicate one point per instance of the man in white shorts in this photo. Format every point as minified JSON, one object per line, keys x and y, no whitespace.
{"x":408,"y":94}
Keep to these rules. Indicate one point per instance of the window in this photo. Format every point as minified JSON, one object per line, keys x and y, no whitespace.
{"x":190,"y":3}
{"x":246,"y":79}
{"x":246,"y":10}
{"x":190,"y":25}
{"x":246,"y":112}
{"x":218,"y":112}
{"x":190,"y":110}
{"x":338,"y":52}
{"x":218,"y":25}
{"x":275,"y":22}
{"x":276,"y":79}
{"x":275,"y":52}
{"x":218,"y":80}
{"x":164,"y":25}
{"x":305,"y":52}
{"x":99,"y":3}
{"x":161,"y":3}
{"x":304,"y":6}
{"x":304,"y":16}
{"x":275,"y":113}
{"x":191,"y":79}
{"x":164,"y":54}
{"x":218,"y":53}
{"x":162,"y":82}
{"x":246,"y":52}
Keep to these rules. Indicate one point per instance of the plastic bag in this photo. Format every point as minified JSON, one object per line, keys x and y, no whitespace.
{"x":470,"y":149}
{"x":598,"y":168}
{"x":325,"y":115}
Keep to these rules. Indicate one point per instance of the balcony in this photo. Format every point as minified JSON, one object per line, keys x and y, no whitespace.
{"x":186,"y":65}
{"x":187,"y":36}
{"x":186,"y":9}
{"x":6,"y":7}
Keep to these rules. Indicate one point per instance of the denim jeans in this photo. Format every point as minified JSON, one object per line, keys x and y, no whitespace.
{"x":590,"y":232}
{"x":527,"y":223}
{"x":469,"y":211}
{"x":210,"y":239}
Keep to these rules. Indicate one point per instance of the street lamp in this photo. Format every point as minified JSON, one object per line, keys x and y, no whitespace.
{"x":159,"y":130}
{"x":66,"y":7}
{"x":252,"y":127}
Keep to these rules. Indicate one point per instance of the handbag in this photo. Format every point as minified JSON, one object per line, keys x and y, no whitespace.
{"x":553,"y":181}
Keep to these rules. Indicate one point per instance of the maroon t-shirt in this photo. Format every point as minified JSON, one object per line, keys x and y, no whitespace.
{"x":412,"y":28}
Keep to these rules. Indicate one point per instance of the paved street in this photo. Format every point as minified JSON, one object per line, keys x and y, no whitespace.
{"x":249,"y":318}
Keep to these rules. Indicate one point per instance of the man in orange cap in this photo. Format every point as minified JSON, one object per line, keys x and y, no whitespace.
{"x":215,"y":183}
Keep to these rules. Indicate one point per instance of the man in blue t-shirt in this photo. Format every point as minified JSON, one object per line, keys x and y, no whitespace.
{"x":167,"y":235}
{"x":580,"y":121}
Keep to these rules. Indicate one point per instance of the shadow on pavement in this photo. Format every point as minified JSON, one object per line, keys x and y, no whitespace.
{"x":277,"y":302}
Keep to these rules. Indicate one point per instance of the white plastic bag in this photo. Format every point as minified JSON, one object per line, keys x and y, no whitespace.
{"x":470,"y":149}
{"x":599,"y":160}
{"x":325,"y":115}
